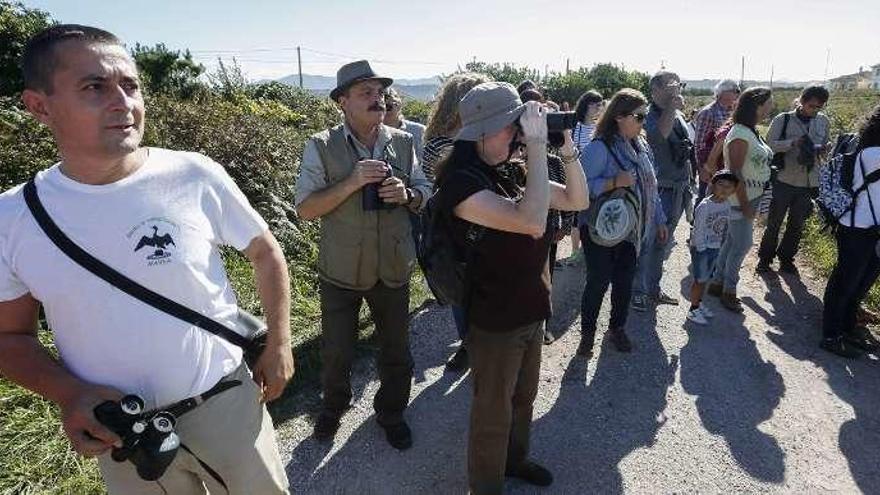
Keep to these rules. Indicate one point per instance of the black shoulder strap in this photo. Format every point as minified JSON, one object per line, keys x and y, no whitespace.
{"x":785,"y":118}
{"x":118,"y":280}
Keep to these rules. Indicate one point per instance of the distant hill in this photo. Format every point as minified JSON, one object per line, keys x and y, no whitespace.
{"x":420,"y":89}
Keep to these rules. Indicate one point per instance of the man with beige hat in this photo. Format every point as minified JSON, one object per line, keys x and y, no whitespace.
{"x":362,"y":178}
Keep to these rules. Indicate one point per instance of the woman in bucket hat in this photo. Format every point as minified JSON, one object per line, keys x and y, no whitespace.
{"x":502,"y":221}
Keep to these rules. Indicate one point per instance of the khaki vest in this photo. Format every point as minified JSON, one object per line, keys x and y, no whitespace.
{"x":360,"y":248}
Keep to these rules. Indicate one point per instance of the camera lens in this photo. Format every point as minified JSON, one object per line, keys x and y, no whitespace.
{"x":131,"y":404}
{"x":163,"y":423}
{"x":560,"y":121}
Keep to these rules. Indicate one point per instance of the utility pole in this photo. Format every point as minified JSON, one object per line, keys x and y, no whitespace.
{"x":299,"y":62}
{"x":742,"y":72}
{"x":771,"y":76}
{"x":567,"y":66}
{"x":827,"y":63}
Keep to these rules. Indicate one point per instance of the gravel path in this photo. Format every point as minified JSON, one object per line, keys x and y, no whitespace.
{"x":747,"y":404}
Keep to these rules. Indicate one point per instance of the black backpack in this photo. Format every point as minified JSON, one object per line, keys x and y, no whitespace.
{"x":445,"y":267}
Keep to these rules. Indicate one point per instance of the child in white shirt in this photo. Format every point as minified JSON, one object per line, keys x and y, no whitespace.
{"x":710,"y":226}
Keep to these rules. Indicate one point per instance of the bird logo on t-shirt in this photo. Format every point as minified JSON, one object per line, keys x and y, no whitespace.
{"x":159,"y":243}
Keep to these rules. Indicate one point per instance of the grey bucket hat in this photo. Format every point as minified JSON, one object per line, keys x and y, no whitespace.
{"x":356,"y":72}
{"x":486,"y":109}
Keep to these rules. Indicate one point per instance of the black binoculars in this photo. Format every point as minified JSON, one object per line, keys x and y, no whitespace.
{"x":148,"y":439}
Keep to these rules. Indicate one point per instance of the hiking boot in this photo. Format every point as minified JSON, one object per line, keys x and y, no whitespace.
{"x":459,"y":361}
{"x":862,"y":339}
{"x":326,"y":426}
{"x":714,"y":289}
{"x":763,"y":267}
{"x":697,"y":316}
{"x":639,"y":303}
{"x":620,"y":340}
{"x":530,"y":472}
{"x":398,"y":435}
{"x":664,"y":298}
{"x":839,"y":346}
{"x":788,"y":267}
{"x":731,"y":302}
{"x":585,"y":348}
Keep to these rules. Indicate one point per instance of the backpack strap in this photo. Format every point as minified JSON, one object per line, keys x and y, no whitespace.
{"x":785,"y":119}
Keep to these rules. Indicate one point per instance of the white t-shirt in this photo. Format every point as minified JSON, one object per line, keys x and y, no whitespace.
{"x":160,"y":226}
{"x":870,"y":158}
{"x":710,"y":224}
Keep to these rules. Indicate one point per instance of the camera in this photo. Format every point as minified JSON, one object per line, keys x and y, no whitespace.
{"x":557,"y":122}
{"x":371,"y":200}
{"x":560,"y":121}
{"x":148,"y":441}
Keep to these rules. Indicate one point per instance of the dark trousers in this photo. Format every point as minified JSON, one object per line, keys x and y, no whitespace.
{"x":505,"y":367}
{"x":855,"y":272}
{"x":606,"y":265}
{"x":797,"y":203}
{"x":339,"y":326}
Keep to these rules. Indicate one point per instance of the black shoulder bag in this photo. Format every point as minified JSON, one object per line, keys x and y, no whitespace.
{"x":256,"y":331}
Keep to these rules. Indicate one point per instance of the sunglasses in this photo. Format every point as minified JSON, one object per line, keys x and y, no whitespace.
{"x":640,"y":117}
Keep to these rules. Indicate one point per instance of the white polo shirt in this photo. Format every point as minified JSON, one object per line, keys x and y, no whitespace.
{"x":160,"y":226}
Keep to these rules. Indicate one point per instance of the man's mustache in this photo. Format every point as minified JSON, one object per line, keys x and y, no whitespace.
{"x":376,"y":107}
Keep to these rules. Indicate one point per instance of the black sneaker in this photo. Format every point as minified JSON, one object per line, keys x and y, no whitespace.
{"x":530,"y":472}
{"x":548,"y":337}
{"x":620,"y":340}
{"x":459,"y":361}
{"x":326,"y":426}
{"x":398,"y":435}
{"x":840,"y":347}
{"x":788,"y":267}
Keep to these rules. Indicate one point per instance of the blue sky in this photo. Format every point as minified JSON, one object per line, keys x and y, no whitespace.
{"x":418,"y":38}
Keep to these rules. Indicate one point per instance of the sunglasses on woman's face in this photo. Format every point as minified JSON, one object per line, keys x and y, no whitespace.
{"x":640,"y":117}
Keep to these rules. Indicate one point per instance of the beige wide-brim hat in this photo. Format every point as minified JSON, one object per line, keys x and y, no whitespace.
{"x":486,"y":109}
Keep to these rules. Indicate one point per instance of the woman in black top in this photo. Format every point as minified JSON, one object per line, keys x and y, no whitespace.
{"x":504,"y":222}
{"x":443,"y":124}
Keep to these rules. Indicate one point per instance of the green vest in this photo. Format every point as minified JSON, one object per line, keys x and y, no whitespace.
{"x":360,"y":248}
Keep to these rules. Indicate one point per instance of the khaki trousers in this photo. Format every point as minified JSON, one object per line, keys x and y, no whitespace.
{"x":230,"y":434}
{"x":506,"y":368}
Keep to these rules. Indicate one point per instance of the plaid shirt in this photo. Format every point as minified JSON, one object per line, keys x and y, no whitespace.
{"x":706,"y":122}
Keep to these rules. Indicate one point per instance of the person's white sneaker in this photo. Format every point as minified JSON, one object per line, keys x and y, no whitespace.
{"x":696,"y":316}
{"x":708,"y":313}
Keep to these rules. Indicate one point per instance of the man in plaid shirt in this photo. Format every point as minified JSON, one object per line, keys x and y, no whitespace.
{"x":706,"y":123}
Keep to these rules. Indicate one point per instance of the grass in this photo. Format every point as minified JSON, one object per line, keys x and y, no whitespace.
{"x":35,"y":456}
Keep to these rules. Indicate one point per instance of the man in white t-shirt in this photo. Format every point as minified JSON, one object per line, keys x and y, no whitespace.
{"x":158,"y":217}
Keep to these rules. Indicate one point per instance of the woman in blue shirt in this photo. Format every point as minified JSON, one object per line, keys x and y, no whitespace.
{"x":618,"y":157}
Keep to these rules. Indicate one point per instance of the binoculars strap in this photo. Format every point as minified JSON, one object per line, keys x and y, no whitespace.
{"x":178,"y":409}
